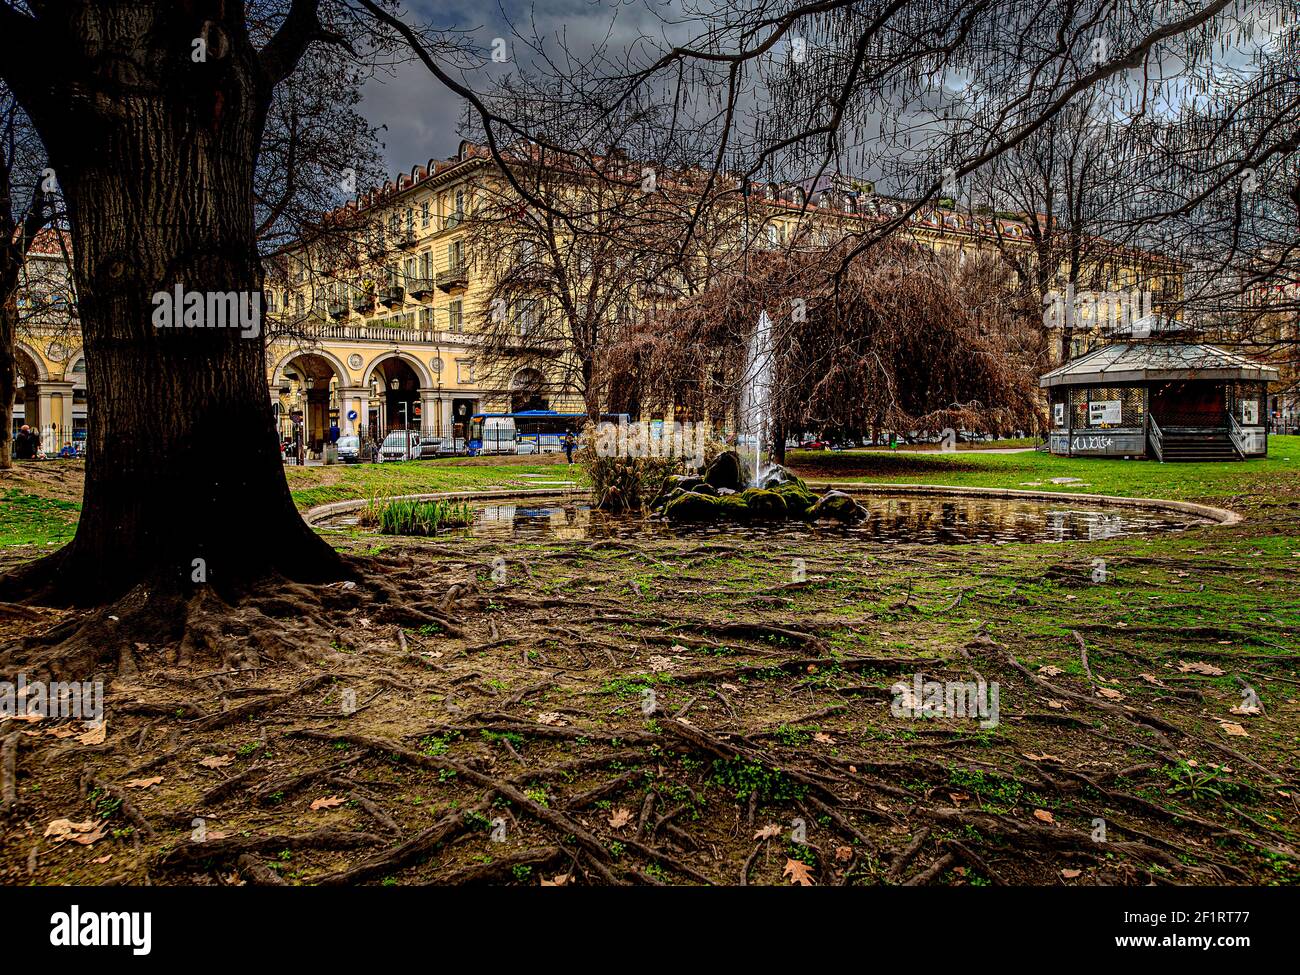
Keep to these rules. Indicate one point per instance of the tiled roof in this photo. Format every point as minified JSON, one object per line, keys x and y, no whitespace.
{"x":1137,"y":361}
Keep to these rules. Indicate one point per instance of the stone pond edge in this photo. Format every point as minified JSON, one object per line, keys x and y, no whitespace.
{"x":1221,"y":516}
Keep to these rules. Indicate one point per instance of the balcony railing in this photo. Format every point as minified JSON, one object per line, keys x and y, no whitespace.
{"x":388,"y":335}
{"x":419,"y":288}
{"x":337,"y":309}
{"x":363,"y":301}
{"x":454,"y":277}
{"x":408,"y":238}
{"x":392,"y":295}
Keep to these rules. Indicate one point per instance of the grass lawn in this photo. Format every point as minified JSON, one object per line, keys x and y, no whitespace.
{"x":39,"y":502}
{"x":30,"y":519}
{"x":1239,"y":483}
{"x":312,"y":486}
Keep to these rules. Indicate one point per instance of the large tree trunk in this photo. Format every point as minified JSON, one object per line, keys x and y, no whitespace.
{"x":156,"y":164}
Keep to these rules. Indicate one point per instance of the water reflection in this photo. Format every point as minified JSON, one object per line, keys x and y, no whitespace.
{"x":926,"y":521}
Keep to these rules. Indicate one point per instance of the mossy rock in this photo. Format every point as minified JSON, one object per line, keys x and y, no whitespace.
{"x":778,"y":476}
{"x":735,"y":507}
{"x":797,"y":498}
{"x":705,"y":488}
{"x":837,"y":506}
{"x":765,"y":505}
{"x":692,"y":506}
{"x":674,"y":485}
{"x":662,"y":500}
{"x":724,"y":472}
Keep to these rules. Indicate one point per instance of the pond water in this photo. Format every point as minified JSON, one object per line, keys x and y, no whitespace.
{"x":909,"y":520}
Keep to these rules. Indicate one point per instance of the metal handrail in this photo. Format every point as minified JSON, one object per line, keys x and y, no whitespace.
{"x":1237,"y":436}
{"x":1156,"y":438}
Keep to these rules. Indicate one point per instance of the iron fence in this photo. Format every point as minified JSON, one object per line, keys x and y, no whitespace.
{"x":50,"y":442}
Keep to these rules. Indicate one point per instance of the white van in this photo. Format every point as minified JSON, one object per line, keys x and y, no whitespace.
{"x":497,"y":435}
{"x":400,"y":445}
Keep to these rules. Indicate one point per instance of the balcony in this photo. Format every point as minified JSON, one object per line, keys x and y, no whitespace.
{"x":363,"y":302}
{"x":408,"y":239}
{"x":392,"y":295}
{"x":419,"y":288}
{"x":337,"y":308}
{"x":452,"y":221}
{"x":455,"y":278}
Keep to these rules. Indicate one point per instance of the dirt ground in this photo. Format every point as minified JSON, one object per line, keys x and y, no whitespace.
{"x":696,"y":709}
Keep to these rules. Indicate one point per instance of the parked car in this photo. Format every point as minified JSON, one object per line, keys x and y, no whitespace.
{"x":815,"y":445}
{"x":400,"y":445}
{"x":349,"y":449}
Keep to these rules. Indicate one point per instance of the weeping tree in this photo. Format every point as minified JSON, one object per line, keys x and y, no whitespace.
{"x":898,"y":339}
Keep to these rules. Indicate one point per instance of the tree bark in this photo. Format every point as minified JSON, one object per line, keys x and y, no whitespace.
{"x":155,"y":153}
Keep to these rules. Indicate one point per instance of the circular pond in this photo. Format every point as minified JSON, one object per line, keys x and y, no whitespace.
{"x":901,"y":520}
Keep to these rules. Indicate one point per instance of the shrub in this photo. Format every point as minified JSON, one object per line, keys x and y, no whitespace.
{"x":408,"y":516}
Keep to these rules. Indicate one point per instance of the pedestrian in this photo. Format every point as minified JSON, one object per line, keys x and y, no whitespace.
{"x":570,"y":442}
{"x":25,"y":444}
{"x":334,"y":433}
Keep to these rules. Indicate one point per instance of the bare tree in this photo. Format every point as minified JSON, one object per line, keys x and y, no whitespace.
{"x":25,"y":209}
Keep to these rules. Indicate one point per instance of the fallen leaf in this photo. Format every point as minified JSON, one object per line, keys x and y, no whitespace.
{"x":1056,"y":705}
{"x":61,"y":828}
{"x":843,"y":853}
{"x":84,"y":833}
{"x":799,"y":873}
{"x":1246,"y":709}
{"x":328,"y":803}
{"x":217,"y":761}
{"x":659,"y":664}
{"x":1152,"y":679}
{"x":1233,"y":729}
{"x":1070,"y":874}
{"x":1043,"y":757}
{"x":561,"y":879}
{"x":549,"y":717}
{"x":678,"y":648}
{"x":104,"y":859}
{"x":1199,"y":668}
{"x":824,"y":739}
{"x":1047,"y":670}
{"x":143,"y":783}
{"x":95,"y":733}
{"x":1044,"y":816}
{"x":729,"y":687}
{"x":958,"y":797}
{"x":620,"y":818}
{"x":1110,"y":692}
{"x":768,"y":831}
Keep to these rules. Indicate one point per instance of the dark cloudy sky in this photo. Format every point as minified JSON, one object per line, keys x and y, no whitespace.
{"x":422,"y":116}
